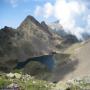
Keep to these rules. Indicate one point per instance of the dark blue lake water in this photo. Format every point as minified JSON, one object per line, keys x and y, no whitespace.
{"x":47,"y":60}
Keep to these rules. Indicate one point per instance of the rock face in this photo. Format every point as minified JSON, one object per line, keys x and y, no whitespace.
{"x":44,"y":25}
{"x":7,"y":44}
{"x":70,"y":39}
{"x":35,"y":39}
{"x":29,"y":40}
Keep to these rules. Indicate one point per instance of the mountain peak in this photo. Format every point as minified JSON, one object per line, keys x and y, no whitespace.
{"x":29,"y":17}
{"x":28,"y":21}
{"x":43,"y":22}
{"x":44,"y":25}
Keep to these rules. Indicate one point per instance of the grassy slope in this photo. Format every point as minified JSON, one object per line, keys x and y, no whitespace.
{"x":26,"y":82}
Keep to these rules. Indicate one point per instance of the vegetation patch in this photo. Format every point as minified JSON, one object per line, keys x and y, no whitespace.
{"x":19,"y":81}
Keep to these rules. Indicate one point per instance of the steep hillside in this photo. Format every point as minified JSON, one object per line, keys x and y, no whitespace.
{"x":29,"y":40}
{"x":78,"y":65}
{"x":35,"y":40}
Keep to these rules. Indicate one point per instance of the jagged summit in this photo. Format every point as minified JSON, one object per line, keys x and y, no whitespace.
{"x":29,"y":21}
{"x":44,"y":25}
{"x":6,"y":28}
{"x":32,"y":19}
{"x":7,"y":32}
{"x":43,"y":22}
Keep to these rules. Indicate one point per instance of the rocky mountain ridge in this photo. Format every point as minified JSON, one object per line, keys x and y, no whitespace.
{"x":29,"y":40}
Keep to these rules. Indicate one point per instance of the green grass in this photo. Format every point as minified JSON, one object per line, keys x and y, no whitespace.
{"x":4,"y":82}
{"x":26,"y":82}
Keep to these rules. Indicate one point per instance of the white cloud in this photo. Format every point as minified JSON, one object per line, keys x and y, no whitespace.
{"x":66,"y":11}
{"x":46,"y":11}
{"x":88,"y":24}
{"x":38,"y":11}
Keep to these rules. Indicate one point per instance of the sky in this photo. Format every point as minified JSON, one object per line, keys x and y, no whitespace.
{"x":13,"y":12}
{"x":74,"y":15}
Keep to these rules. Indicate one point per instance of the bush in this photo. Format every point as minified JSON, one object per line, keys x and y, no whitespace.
{"x":4,"y":82}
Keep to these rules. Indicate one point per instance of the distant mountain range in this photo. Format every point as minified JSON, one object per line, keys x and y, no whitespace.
{"x":58,"y":28}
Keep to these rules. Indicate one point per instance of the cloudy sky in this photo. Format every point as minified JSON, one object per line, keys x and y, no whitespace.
{"x":74,"y":15}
